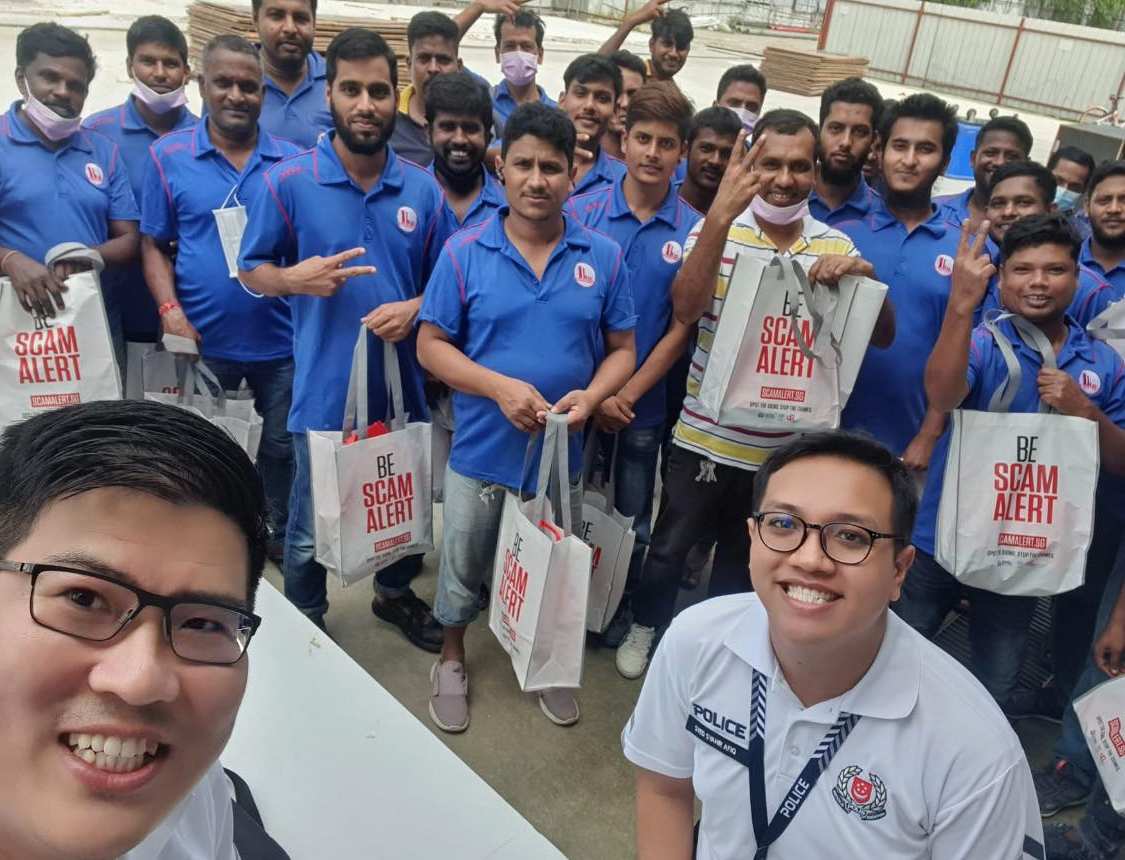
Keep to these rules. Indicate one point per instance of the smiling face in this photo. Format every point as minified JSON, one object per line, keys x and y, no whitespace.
{"x":912,"y":156}
{"x":652,"y":151}
{"x":590,"y":106}
{"x":708,"y":157}
{"x":362,"y":102}
{"x":459,"y":142}
{"x":1106,"y":208}
{"x":285,"y":29}
{"x":60,"y":83}
{"x":786,"y":163}
{"x":994,"y":150}
{"x":667,"y":58}
{"x":537,"y":179}
{"x":52,"y":803}
{"x":1039,"y":282}
{"x":811,"y":599}
{"x":159,"y":67}
{"x":231,"y":88}
{"x":1014,"y":198}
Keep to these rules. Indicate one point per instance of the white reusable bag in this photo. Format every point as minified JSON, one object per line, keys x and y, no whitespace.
{"x":611,"y":538}
{"x":61,"y":360}
{"x":541,"y":576}
{"x":1101,"y":713}
{"x":1017,"y":505}
{"x":1109,"y":326}
{"x":786,"y":354}
{"x":372,"y":498}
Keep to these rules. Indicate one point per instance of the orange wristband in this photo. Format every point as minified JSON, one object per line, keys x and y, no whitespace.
{"x":167,"y":306}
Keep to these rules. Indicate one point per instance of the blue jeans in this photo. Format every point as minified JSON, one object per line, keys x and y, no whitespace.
{"x":306,"y":583}
{"x":1072,"y":743}
{"x":272,"y":384}
{"x":638,"y":449}
{"x":470,"y":525}
{"x":998,"y":624}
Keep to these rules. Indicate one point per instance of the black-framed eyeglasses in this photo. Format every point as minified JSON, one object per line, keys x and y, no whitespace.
{"x":96,"y":608}
{"x":846,"y":543}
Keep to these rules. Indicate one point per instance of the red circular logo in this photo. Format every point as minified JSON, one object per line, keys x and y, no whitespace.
{"x":94,"y":174}
{"x":584,"y":275}
{"x":1089,"y":382}
{"x":943,"y":264}
{"x":672,"y":252}
{"x":407,"y":219}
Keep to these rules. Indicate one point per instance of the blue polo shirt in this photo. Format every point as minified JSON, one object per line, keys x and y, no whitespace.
{"x":854,"y":208}
{"x":65,"y":195}
{"x":889,"y":400}
{"x":187,"y":178}
{"x":1115,"y":276}
{"x":681,"y":172}
{"x":490,"y":198}
{"x":1103,"y":383}
{"x":503,"y":104}
{"x":956,"y":206}
{"x":124,"y":125}
{"x":313,"y":207}
{"x":547,"y":332}
{"x":606,"y":170}
{"x":653,"y":253}
{"x":301,"y":117}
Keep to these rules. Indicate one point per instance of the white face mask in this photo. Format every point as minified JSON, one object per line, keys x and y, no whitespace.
{"x":231,"y":224}
{"x":780,"y":215}
{"x":748,"y":119}
{"x":53,"y":126}
{"x":160,"y":103}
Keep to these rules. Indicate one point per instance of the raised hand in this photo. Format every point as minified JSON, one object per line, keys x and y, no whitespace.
{"x":972,"y":269}
{"x":324,"y":276}
{"x":741,"y":183}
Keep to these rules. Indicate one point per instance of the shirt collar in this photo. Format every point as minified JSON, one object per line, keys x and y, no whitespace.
{"x":859,"y":200}
{"x":888,"y":690}
{"x":1086,"y":258}
{"x":747,"y":219}
{"x":490,"y":193}
{"x":18,"y":131}
{"x":329,"y":170}
{"x":404,"y":99}
{"x":317,"y":70}
{"x":201,"y":145}
{"x":668,"y":211}
{"x":881,"y":217}
{"x":131,"y":119}
{"x":501,"y":92}
{"x":493,"y":236}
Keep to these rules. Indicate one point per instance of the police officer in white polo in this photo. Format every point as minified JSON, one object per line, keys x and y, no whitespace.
{"x":809,"y":720}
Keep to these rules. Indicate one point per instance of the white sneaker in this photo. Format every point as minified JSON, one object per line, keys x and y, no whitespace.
{"x":632,"y":656}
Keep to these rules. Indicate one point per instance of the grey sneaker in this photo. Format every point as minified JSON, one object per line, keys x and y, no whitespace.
{"x":449,"y":696}
{"x":1059,"y":788}
{"x":560,"y":706}
{"x":632,"y":656}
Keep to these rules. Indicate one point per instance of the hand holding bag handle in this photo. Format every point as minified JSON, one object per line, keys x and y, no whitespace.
{"x":821,"y":303}
{"x":356,"y":406}
{"x":1003,"y":397}
{"x":65,"y":251}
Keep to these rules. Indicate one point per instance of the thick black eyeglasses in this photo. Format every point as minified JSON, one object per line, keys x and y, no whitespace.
{"x":846,"y":543}
{"x":95,"y":607}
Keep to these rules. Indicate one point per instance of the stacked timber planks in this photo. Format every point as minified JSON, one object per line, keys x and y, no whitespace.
{"x":208,"y":19}
{"x":808,"y":72}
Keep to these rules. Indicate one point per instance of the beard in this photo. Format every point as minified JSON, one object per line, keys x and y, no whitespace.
{"x":1112,"y":243}
{"x":460,"y":182}
{"x":840,"y":177}
{"x":353,"y":143}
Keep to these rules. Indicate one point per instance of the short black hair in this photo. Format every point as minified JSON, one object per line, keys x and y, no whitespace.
{"x":1103,"y":172}
{"x":922,"y":106}
{"x":720,"y":120}
{"x":525,"y":19}
{"x":591,"y":68}
{"x":628,"y":60}
{"x":675,"y":25}
{"x":359,"y":43}
{"x":1042,"y":176}
{"x":165,"y":451}
{"x":1049,"y":229}
{"x":458,"y":93}
{"x":853,"y":91}
{"x":54,"y":40}
{"x":155,"y":30}
{"x":746,"y":74}
{"x":228,"y":42}
{"x":785,"y":121}
{"x":546,"y":123}
{"x":1072,"y":153}
{"x":426,"y":24}
{"x":1011,"y":125}
{"x":858,"y":448}
{"x":256,"y":6}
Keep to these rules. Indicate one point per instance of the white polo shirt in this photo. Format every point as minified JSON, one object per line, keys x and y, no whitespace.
{"x":931,"y":770}
{"x":201,"y":827}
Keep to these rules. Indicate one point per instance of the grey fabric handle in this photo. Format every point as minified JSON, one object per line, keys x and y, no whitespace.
{"x":554,"y":472}
{"x":65,"y":251}
{"x":1002,"y":397}
{"x":821,"y":303}
{"x":356,"y":411}
{"x":195,"y":377}
{"x":590,"y":457}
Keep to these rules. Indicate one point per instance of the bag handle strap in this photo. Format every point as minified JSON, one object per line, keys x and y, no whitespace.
{"x":74,"y":251}
{"x":821,"y":304}
{"x":195,"y":377}
{"x":609,"y":474}
{"x":356,"y":412}
{"x":1003,"y":397}
{"x":554,"y":471}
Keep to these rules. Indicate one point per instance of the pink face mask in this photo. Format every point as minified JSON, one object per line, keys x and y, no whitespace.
{"x":53,"y":126}
{"x":159,"y":103}
{"x":779,"y":215}
{"x":519,"y":68}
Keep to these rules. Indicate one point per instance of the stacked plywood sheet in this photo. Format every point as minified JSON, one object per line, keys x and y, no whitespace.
{"x":206,"y":20}
{"x":807,"y":72}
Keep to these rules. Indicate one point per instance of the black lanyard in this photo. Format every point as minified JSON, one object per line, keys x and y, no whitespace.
{"x":765,"y":834}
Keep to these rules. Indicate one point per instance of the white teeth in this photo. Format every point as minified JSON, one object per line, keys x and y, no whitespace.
{"x":97,"y":743}
{"x":100,"y":761}
{"x":117,"y":755}
{"x":129,"y":747}
{"x":83,"y":742}
{"x":809,"y":595}
{"x":89,"y":756}
{"x":151,"y":747}
{"x":112,"y":746}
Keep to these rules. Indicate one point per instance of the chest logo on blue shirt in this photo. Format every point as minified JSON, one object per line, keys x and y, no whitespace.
{"x":94,"y":175}
{"x":943,"y":264}
{"x":672,"y":252}
{"x":407,"y":219}
{"x":584,"y":275}
{"x":1089,"y":382}
{"x":867,"y":798}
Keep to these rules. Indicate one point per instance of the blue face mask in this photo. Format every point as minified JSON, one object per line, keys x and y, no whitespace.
{"x":1067,"y":200}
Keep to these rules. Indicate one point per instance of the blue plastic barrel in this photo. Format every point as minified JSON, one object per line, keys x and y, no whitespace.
{"x":959,"y":167}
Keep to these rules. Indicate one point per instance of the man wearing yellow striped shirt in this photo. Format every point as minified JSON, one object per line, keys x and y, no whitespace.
{"x":761,"y":209}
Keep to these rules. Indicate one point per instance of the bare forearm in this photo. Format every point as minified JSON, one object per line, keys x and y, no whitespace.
{"x":694,"y":286}
{"x":160,"y":274}
{"x":949,"y":362}
{"x":267,"y":279}
{"x":665,"y":354}
{"x":614,"y":42}
{"x":466,"y":18}
{"x":613,"y":372}
{"x":120,"y":250}
{"x":884,"y":332}
{"x":454,"y":368}
{"x":665,"y":821}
